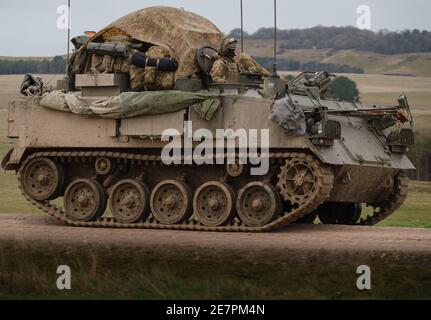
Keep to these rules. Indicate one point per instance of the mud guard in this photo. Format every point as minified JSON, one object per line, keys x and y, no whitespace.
{"x":5,"y":160}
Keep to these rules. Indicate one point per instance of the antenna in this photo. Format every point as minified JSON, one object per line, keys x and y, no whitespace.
{"x":242,"y":28}
{"x":68,"y":31}
{"x":274,"y":66}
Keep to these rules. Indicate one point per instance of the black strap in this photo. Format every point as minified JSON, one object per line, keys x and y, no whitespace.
{"x":140,"y":60}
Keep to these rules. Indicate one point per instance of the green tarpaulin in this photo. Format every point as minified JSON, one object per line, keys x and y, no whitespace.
{"x":133,"y":104}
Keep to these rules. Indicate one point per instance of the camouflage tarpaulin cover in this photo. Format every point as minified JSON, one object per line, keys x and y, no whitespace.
{"x":175,"y":29}
{"x":133,"y":104}
{"x":288,"y":115}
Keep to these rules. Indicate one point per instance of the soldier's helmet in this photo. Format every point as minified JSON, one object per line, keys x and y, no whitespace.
{"x":228,"y":47}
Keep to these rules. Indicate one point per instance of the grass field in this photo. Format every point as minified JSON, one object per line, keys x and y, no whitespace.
{"x":416,"y":212}
{"x":118,"y":273}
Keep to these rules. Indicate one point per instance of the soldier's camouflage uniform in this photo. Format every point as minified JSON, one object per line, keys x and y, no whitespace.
{"x":229,"y":65}
{"x":247,"y":64}
{"x":225,"y":70}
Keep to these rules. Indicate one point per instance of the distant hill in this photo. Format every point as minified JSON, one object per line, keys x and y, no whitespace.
{"x":411,"y":64}
{"x":344,"y":49}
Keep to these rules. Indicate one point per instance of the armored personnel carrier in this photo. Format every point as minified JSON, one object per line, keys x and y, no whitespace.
{"x":96,"y":144}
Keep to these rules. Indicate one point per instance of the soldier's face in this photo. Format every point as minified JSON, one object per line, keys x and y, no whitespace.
{"x":231,"y":50}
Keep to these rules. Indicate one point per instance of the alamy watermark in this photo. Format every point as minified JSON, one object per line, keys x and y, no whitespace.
{"x":64,"y":281}
{"x":64,"y":15}
{"x":228,"y":146}
{"x":364,"y":20}
{"x":364,"y":280}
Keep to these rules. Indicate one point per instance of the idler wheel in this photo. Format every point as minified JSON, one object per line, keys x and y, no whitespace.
{"x":171,"y":202}
{"x":214,"y":204}
{"x":42,"y":179}
{"x":129,"y":201}
{"x":340,"y":213}
{"x":85,"y":200}
{"x":258,"y":204}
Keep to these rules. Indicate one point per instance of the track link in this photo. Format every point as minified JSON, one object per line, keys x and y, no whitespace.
{"x":323,"y":191}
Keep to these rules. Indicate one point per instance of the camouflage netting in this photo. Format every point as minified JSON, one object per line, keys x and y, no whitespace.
{"x":133,"y":104}
{"x":174,"y":29}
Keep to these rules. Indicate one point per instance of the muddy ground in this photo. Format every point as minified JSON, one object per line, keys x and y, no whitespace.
{"x":298,"y":239}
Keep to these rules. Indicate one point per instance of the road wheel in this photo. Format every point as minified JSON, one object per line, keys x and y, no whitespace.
{"x":85,"y":200}
{"x":214,"y":204}
{"x":258,"y":204}
{"x":171,"y":202}
{"x":129,"y":201}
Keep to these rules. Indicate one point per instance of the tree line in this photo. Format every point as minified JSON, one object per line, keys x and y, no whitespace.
{"x":347,"y":38}
{"x":294,"y":65}
{"x":57,"y":65}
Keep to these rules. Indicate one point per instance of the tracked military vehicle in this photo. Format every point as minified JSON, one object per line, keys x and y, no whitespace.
{"x":95,"y":146}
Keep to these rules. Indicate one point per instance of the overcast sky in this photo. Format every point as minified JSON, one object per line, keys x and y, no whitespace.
{"x":29,"y":27}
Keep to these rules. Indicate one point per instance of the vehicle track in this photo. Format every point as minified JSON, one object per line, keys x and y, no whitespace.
{"x":381,"y":210}
{"x":325,"y":174}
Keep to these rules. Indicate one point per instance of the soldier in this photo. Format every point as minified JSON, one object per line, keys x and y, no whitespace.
{"x":230,"y":64}
{"x":225,"y":69}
